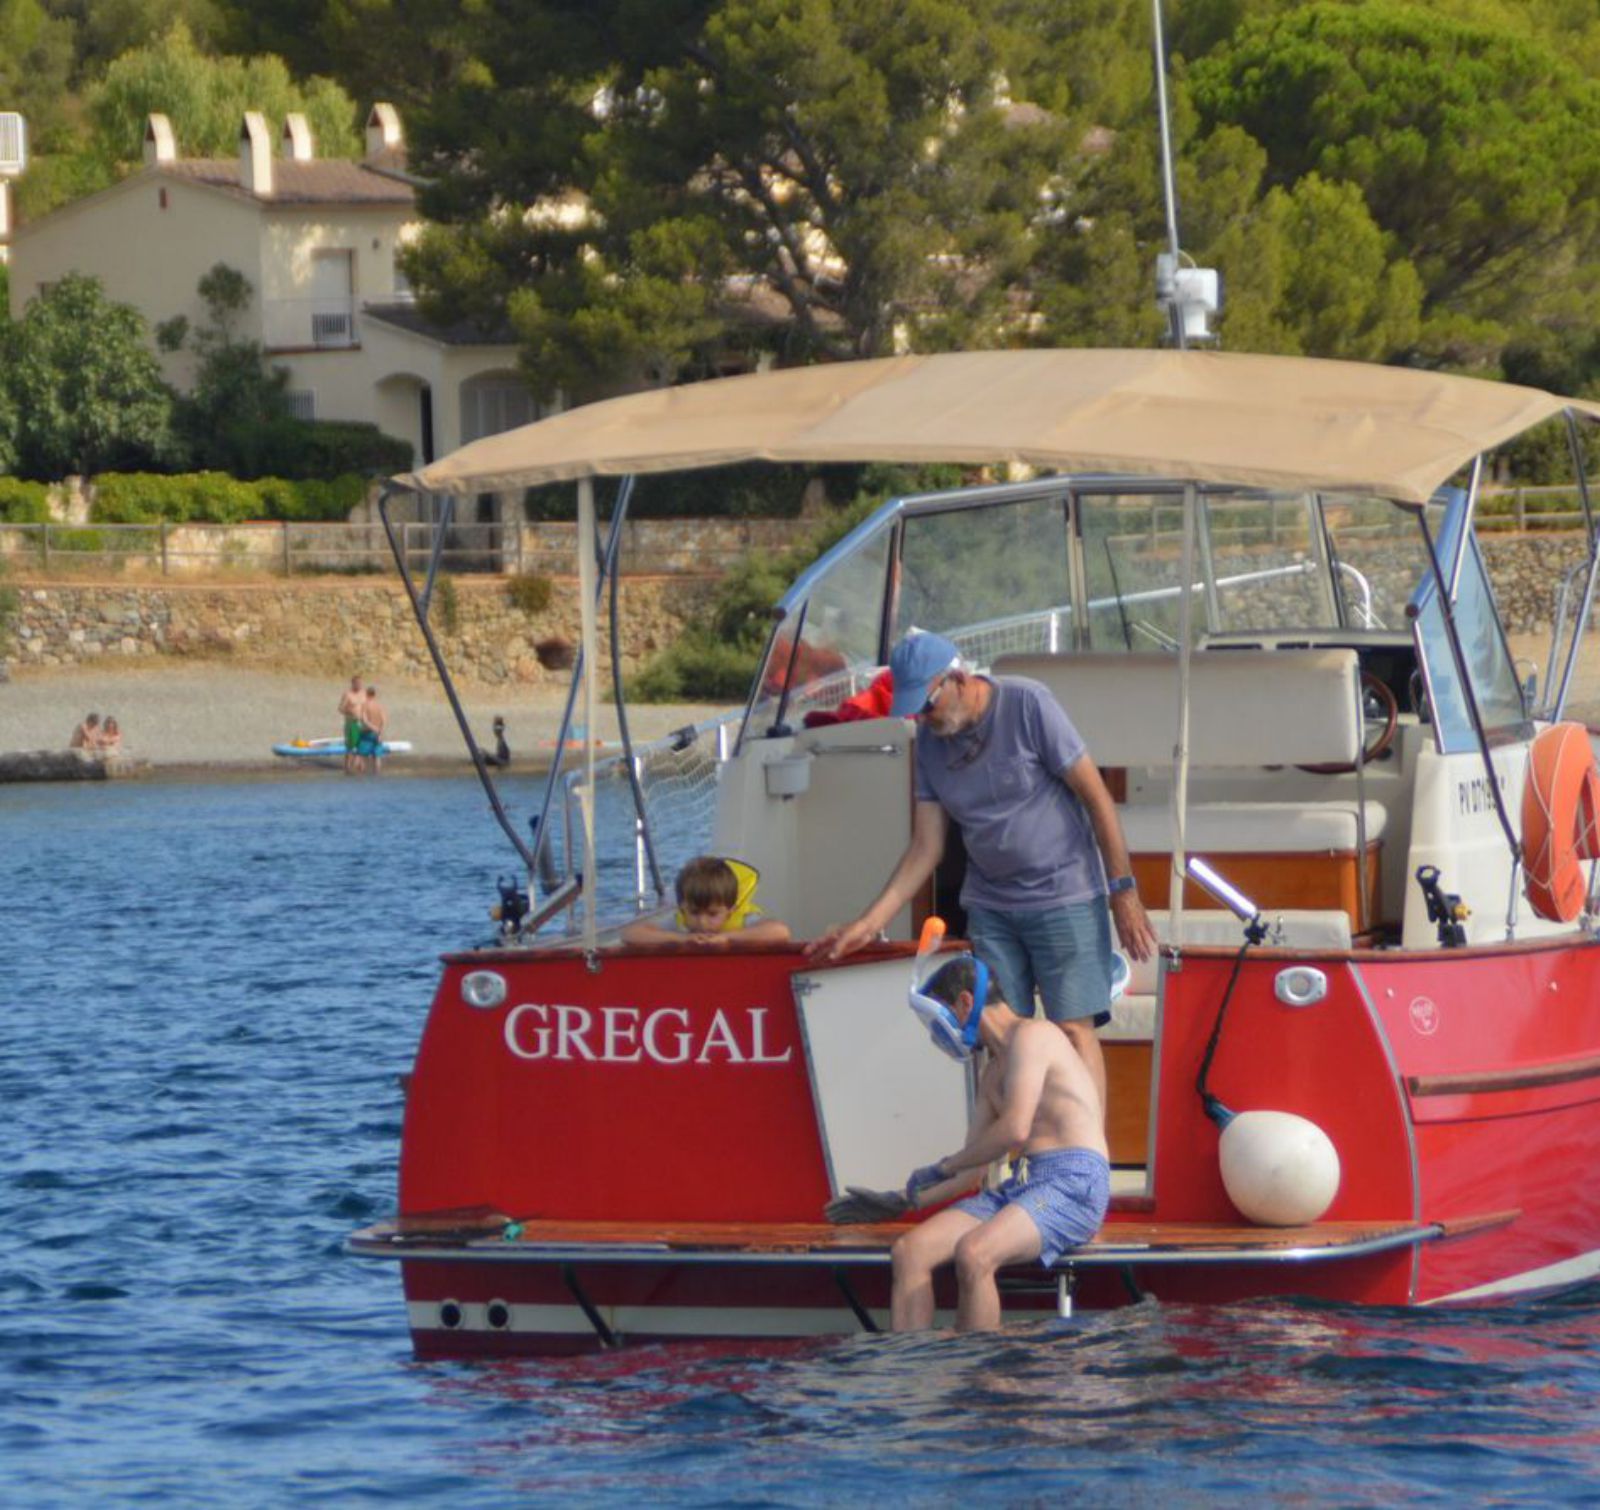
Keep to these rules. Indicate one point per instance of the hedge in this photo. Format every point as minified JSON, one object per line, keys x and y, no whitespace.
{"x":23,"y":502}
{"x":215,"y":498}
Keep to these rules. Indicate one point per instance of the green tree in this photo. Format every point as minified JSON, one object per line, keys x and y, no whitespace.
{"x":236,"y":394}
{"x":878,"y":174}
{"x":36,"y":59}
{"x":105,"y":29}
{"x":1316,"y":277}
{"x":205,"y":99}
{"x":1475,"y":146}
{"x":85,"y":385}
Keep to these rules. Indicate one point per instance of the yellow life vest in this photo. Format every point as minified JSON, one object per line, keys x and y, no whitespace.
{"x":744,"y":902}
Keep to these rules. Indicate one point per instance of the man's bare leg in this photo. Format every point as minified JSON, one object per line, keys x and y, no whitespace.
{"x":1081,"y":1034}
{"x":1008,"y":1237}
{"x":916,"y":1256}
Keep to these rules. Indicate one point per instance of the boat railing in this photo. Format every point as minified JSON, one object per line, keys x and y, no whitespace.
{"x":676,"y":777}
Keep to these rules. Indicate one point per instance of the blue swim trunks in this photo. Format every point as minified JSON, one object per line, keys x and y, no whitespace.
{"x":1065,"y":1191}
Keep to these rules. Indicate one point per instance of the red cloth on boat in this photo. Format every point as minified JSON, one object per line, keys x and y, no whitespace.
{"x":871,"y":703}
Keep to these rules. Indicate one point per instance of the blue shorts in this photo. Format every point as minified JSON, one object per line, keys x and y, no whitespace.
{"x":369,"y":744}
{"x":1062,"y":953}
{"x":1065,"y":1191}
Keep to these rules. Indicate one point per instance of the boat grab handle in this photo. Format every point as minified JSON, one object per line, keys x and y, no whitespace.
{"x":854,"y":750}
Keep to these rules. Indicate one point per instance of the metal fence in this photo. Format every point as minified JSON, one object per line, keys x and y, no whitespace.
{"x":283,"y":548}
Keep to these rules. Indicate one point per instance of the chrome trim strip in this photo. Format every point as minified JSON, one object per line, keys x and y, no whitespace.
{"x":1105,"y":1254}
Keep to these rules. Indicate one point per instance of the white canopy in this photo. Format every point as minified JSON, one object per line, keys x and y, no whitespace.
{"x":1266,"y":421}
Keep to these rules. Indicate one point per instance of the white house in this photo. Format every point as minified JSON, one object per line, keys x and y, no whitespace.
{"x":317,"y":239}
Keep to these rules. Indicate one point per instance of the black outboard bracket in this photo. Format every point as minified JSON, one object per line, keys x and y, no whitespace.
{"x":1445,"y":909}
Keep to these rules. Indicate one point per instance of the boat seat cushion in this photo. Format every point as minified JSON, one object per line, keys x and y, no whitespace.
{"x":1246,"y":707}
{"x":1253,"y":827}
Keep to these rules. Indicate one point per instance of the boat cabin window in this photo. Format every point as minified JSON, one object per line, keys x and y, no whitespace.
{"x":827,"y":647}
{"x":1493,"y":674}
{"x":994,"y":579}
{"x":1378,"y":558}
{"x":1132,"y":561}
{"x":1268,"y":565}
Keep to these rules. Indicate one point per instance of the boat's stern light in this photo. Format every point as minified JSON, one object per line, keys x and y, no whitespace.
{"x":483,"y":988}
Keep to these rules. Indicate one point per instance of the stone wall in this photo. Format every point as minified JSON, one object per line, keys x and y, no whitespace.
{"x":650,"y":547}
{"x":338,"y":627}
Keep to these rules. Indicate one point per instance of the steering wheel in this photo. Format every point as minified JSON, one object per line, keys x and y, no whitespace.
{"x":1380,"y":709}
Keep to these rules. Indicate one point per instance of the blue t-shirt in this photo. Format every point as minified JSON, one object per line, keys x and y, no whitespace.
{"x":1029,"y":841}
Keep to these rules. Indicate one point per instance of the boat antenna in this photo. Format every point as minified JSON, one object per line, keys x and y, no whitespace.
{"x":1188,"y":294}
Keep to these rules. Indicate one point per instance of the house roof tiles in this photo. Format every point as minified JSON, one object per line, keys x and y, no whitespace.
{"x":321,"y":181}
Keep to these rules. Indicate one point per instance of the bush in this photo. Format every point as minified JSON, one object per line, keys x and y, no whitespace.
{"x":752,"y":490}
{"x":310,"y":498}
{"x":303,"y":450}
{"x":449,"y":605}
{"x":214,"y":498}
{"x":145,"y":498}
{"x":698,"y":666}
{"x":23,"y":502}
{"x":531,"y":593}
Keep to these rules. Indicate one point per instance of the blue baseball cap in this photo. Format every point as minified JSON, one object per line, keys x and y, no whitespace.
{"x":916,"y":663}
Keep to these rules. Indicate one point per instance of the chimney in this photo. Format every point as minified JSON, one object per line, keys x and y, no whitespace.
{"x":383,"y":130}
{"x":296,"y":143}
{"x":255,"y":154}
{"x":160,"y":146}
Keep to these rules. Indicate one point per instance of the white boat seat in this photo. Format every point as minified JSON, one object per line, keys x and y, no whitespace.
{"x":1253,"y":827}
{"x":1133,"y":1016}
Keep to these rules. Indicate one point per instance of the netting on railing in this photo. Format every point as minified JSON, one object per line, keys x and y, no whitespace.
{"x":678,"y":776}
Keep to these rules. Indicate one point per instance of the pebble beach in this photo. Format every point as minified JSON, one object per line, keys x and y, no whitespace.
{"x":226,"y":718}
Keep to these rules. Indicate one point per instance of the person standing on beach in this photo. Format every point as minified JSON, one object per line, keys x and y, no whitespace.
{"x":351,"y":703}
{"x":370,"y":745}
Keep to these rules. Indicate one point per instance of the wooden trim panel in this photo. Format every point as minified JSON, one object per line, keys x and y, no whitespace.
{"x":1517,"y":1078}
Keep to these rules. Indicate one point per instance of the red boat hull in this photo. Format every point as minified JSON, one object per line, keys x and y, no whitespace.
{"x":675,"y":1088}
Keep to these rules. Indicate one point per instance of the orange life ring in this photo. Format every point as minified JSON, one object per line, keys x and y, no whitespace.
{"x":1560,"y":820}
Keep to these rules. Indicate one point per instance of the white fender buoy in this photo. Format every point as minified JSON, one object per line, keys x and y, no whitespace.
{"x":1280,"y":1170}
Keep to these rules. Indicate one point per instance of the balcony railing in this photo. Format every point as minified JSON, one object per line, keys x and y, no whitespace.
{"x":295,"y":324}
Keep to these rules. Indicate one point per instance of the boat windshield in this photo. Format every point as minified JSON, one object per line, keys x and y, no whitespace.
{"x":1489,"y":665}
{"x":1090,"y":564}
{"x":826,"y":648}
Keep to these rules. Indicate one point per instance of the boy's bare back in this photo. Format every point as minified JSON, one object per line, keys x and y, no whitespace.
{"x":1039,"y":1060}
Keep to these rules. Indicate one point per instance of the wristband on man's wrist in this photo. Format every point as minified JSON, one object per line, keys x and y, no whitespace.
{"x":1119,"y":884}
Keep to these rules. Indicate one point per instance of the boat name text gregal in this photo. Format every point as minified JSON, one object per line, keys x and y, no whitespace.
{"x":631,"y":1035}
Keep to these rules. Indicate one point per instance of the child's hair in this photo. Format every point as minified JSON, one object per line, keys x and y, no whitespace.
{"x":949,"y":981}
{"x":707,"y":882}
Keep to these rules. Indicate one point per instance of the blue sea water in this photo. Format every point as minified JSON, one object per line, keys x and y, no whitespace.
{"x":207,"y":992}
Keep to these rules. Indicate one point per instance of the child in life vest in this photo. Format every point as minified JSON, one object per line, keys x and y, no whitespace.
{"x":716,"y":910}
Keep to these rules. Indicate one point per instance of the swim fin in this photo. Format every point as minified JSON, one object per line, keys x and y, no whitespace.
{"x":858,"y":1205}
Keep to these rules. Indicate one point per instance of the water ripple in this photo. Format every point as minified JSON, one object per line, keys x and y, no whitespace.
{"x":198,"y":1077}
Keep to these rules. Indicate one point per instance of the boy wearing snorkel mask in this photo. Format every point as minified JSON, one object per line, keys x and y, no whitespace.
{"x":1038,"y":1103}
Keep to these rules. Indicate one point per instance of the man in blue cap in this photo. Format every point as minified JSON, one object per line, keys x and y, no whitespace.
{"x":1045,"y":849}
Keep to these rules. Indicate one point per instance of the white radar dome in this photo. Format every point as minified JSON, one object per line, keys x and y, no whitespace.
{"x":1280,"y":1170}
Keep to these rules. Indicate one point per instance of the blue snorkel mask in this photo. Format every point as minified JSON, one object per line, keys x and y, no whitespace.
{"x":950,"y":1036}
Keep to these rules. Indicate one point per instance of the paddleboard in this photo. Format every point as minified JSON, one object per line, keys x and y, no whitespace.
{"x":332,"y":749}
